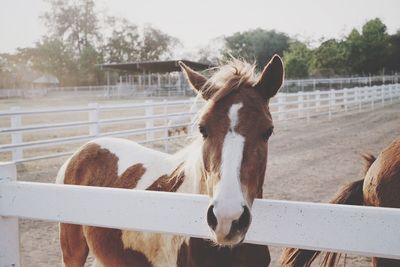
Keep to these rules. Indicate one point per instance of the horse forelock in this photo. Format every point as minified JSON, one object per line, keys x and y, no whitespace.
{"x":229,"y":77}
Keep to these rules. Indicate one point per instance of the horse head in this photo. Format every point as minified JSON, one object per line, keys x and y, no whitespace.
{"x":235,"y":125}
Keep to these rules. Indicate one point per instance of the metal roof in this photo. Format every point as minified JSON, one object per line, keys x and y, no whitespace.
{"x":155,"y":66}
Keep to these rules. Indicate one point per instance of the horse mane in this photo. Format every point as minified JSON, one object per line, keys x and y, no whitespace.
{"x":368,"y":160}
{"x":233,"y":75}
{"x":191,"y":161}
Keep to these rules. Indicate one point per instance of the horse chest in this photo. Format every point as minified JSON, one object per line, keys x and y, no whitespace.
{"x":160,"y":250}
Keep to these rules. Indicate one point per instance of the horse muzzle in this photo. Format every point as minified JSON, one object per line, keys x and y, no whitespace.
{"x":228,"y":229}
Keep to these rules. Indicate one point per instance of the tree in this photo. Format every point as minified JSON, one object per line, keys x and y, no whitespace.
{"x":52,"y":56}
{"x":366,"y":52}
{"x":256,"y":45}
{"x":89,"y":74}
{"x":354,"y":52}
{"x":329,"y":59}
{"x":297,"y":60}
{"x":393,"y":53}
{"x":375,"y":45}
{"x":156,"y":44}
{"x":124,"y":43}
{"x":74,"y":22}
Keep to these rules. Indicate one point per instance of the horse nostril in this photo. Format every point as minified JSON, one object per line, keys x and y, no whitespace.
{"x":211,"y":219}
{"x":243,"y":222}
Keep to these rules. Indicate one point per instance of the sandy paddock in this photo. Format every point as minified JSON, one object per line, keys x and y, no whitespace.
{"x":307,"y":162}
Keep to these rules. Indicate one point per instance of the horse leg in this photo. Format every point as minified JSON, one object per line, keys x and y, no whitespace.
{"x":106,"y":244}
{"x":73,"y":245}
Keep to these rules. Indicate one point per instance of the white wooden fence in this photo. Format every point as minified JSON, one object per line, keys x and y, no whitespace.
{"x":358,"y":230}
{"x":154,"y":118}
{"x":153,"y":85}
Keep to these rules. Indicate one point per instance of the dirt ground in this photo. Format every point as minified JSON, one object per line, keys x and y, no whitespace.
{"x":307,"y":162}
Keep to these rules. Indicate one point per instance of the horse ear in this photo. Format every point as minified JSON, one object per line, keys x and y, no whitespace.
{"x":195,"y":79}
{"x":271,"y":78}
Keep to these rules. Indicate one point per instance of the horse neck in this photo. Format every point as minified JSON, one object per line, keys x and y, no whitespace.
{"x":192,"y":159}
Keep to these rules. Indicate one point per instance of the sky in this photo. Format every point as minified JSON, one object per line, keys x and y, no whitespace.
{"x":198,"y":22}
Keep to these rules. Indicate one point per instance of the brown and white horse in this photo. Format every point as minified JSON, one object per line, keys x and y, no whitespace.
{"x":227,"y":162}
{"x":379,"y":188}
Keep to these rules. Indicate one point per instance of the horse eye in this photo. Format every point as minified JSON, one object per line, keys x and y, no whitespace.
{"x":268,"y":134}
{"x":203,"y":131}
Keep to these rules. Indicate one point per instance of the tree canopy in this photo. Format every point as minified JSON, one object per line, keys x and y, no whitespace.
{"x":257,"y":45}
{"x":79,"y":37}
{"x":368,"y":51}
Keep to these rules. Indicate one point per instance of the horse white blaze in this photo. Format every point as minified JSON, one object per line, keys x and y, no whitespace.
{"x":228,"y":196}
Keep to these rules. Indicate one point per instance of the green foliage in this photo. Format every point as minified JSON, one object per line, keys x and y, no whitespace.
{"x":329,"y":59}
{"x":75,"y":43}
{"x":375,"y":45}
{"x":52,"y":56}
{"x":89,"y":74}
{"x":257,"y":45}
{"x":127,"y":43}
{"x":156,"y":44}
{"x":297,"y":59}
{"x":124,"y":43}
{"x":393,"y":53}
{"x":367,"y":52}
{"x":370,"y":51}
{"x":75,"y":22}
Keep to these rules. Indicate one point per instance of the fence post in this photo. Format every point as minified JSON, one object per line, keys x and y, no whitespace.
{"x":16,"y":137}
{"x":9,"y":231}
{"x":358,"y":98}
{"x":149,"y":122}
{"x":300,"y":100}
{"x":391,"y":92}
{"x":317,"y":100}
{"x":282,"y":107}
{"x":94,"y":119}
{"x":345,"y":95}
{"x":373,"y":93}
{"x":166,"y":123}
{"x":332,"y":102}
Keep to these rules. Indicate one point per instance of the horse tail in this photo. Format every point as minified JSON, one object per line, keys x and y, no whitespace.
{"x":351,"y":194}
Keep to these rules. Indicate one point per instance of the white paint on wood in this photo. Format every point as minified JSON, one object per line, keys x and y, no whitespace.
{"x":366,"y":98}
{"x":368,"y":231}
{"x":9,"y":232}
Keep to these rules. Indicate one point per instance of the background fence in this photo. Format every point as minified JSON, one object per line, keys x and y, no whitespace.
{"x":139,"y":86}
{"x":28,"y":135}
{"x":368,"y":231}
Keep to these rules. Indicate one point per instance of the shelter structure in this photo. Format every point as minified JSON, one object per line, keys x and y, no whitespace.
{"x":45,"y":81}
{"x":151,"y":76}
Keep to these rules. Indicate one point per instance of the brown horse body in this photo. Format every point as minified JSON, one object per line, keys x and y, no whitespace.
{"x":380,"y":188}
{"x":227,"y":163}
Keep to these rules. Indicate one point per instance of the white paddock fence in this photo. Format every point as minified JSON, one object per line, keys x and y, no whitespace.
{"x":25,"y":132}
{"x":170,"y":85}
{"x":367,"y":231}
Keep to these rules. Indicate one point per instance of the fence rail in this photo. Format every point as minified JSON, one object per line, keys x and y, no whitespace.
{"x":150,"y":122}
{"x":160,"y":86}
{"x":367,"y":231}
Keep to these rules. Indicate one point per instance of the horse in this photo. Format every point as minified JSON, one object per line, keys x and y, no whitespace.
{"x":182,"y":125}
{"x":380,"y":188}
{"x":226,"y":161}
